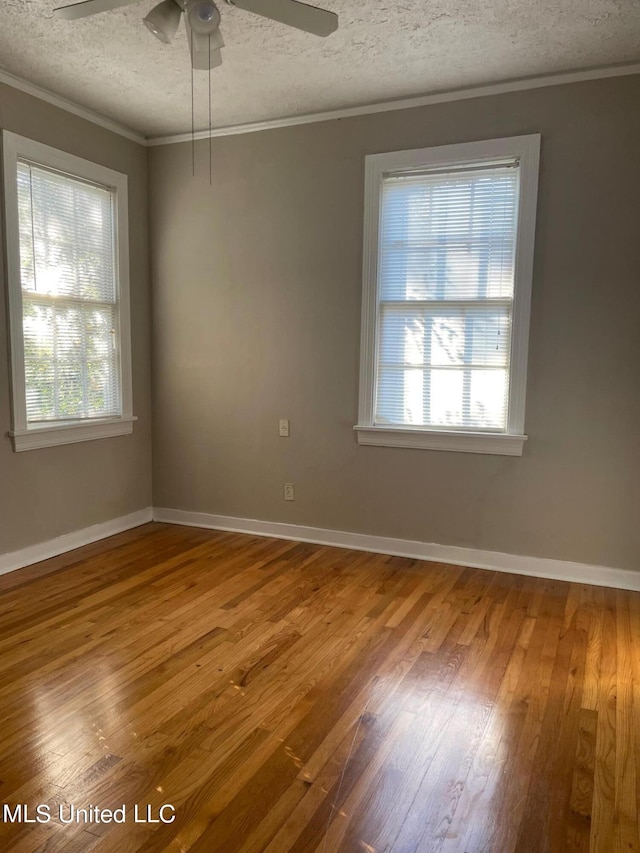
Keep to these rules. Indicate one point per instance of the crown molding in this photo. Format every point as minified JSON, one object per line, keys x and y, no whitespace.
{"x":70,"y":106}
{"x":518,"y":85}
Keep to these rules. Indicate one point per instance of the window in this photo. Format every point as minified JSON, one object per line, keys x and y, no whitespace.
{"x":67,"y":264}
{"x":446,"y":294}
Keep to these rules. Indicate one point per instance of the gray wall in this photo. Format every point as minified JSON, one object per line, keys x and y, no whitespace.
{"x":45,"y":493}
{"x":257,"y":284}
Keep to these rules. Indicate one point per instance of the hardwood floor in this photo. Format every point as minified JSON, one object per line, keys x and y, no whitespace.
{"x":292,"y":697}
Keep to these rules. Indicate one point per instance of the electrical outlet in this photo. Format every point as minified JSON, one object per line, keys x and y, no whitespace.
{"x":288,"y":492}
{"x":284,"y":427}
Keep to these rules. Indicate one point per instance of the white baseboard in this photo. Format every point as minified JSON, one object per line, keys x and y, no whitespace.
{"x":69,"y":541}
{"x":539,"y":567}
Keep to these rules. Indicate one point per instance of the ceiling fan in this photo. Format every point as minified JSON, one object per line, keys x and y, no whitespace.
{"x":202,"y":21}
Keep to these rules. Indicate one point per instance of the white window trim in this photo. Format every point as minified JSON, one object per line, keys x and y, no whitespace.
{"x":27,"y":437}
{"x":510,"y":443}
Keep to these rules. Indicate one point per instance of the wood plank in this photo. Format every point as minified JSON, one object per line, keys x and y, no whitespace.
{"x":293,"y":698}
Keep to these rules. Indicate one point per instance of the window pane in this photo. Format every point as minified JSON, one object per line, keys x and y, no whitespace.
{"x":401,"y":396}
{"x":69,"y":290}
{"x":71,"y":363}
{"x":471,"y":343}
{"x":488,"y":398}
{"x":421,"y":335}
{"x":447,"y":390}
{"x":446,"y":273}
{"x":448,"y":236}
{"x":458,"y":398}
{"x":66,"y":236}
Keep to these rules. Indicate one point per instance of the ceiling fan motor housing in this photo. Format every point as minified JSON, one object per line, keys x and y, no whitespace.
{"x":204,"y":16}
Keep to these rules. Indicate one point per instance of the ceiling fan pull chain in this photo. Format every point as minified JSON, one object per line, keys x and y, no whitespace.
{"x":193,"y":128}
{"x":210,"y":163}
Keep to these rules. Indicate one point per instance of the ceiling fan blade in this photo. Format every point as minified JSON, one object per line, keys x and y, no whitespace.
{"x":320,"y":22}
{"x":89,"y":7}
{"x":205,"y":54}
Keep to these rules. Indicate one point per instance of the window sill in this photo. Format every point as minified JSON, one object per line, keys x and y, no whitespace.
{"x":498,"y":444}
{"x":70,"y":433}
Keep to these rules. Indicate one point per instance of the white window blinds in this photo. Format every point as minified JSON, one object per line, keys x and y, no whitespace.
{"x":445,"y":297}
{"x":69,"y":297}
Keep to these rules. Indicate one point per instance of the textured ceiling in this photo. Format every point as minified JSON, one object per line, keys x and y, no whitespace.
{"x":382,"y":50}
